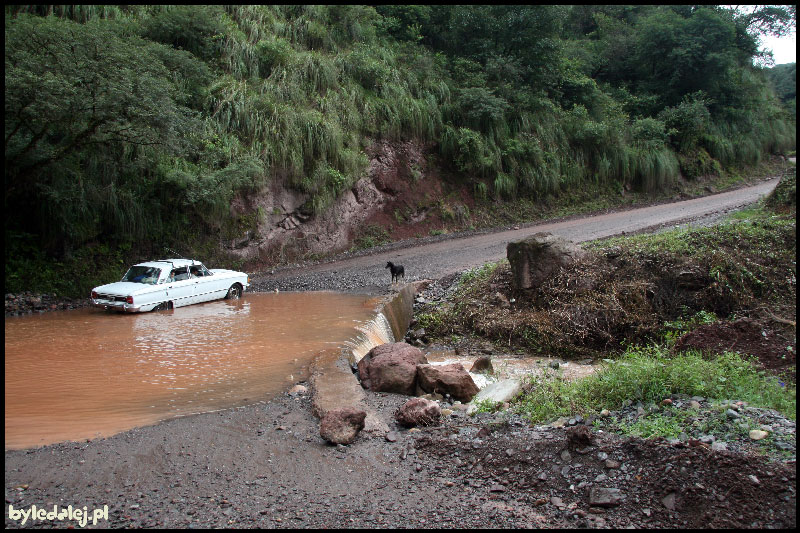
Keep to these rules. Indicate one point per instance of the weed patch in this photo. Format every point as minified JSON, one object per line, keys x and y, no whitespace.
{"x":650,"y":374}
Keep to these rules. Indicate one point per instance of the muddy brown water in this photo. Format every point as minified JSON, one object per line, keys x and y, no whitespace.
{"x":85,"y":374}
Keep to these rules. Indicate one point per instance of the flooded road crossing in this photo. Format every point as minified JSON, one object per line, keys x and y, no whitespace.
{"x":87,"y":373}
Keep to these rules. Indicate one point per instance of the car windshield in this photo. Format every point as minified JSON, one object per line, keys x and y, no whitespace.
{"x":142,"y":274}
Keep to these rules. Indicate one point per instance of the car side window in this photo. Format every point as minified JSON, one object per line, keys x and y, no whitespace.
{"x":180,"y":274}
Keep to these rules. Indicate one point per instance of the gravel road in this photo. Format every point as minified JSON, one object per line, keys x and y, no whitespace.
{"x":437,"y":257}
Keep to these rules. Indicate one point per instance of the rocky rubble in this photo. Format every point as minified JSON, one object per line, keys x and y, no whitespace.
{"x":25,"y":303}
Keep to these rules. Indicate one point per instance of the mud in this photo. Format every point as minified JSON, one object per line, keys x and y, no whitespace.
{"x":771,"y":342}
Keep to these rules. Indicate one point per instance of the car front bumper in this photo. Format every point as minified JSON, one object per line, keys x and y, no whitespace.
{"x":117,"y":306}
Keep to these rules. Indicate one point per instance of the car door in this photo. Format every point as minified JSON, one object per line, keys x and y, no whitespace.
{"x":203,"y":284}
{"x":179,"y":287}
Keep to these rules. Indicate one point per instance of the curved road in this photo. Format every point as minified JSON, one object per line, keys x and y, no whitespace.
{"x":435,"y":260}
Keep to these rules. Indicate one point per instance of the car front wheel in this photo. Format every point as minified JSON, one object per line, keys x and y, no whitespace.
{"x":235,"y":292}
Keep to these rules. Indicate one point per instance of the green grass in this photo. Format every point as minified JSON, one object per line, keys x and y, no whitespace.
{"x":650,"y":374}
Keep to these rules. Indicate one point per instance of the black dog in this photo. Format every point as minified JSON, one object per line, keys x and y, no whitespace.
{"x":397,"y":271}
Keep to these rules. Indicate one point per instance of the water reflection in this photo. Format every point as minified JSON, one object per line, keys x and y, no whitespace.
{"x":88,"y":373}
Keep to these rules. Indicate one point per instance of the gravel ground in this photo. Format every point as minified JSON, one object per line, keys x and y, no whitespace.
{"x":266,"y":466}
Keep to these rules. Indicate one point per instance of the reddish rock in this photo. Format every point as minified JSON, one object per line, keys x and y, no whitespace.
{"x":418,"y":412}
{"x":447,"y":379}
{"x":341,"y":426}
{"x":391,"y":367}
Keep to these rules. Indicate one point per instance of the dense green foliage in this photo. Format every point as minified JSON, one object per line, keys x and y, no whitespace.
{"x":784,"y":80}
{"x":139,"y":124}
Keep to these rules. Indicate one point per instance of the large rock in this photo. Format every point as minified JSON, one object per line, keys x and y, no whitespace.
{"x":482,"y":364}
{"x":538,"y":257}
{"x":391,"y":367}
{"x":447,"y":379}
{"x":341,"y":426}
{"x":418,"y":412}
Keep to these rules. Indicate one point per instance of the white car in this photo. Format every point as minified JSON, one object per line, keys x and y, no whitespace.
{"x":169,"y":283}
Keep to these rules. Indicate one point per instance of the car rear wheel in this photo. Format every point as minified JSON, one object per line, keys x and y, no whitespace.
{"x":235,"y":292}
{"x":163,"y":306}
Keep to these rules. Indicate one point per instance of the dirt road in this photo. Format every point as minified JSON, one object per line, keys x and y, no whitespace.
{"x":435,"y":258}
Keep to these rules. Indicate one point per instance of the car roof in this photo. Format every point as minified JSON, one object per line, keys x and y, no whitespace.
{"x":169,"y":263}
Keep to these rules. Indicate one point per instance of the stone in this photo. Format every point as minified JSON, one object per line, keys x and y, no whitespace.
{"x":497,"y":392}
{"x":719,"y":446}
{"x":757,"y":434}
{"x":558,"y":502}
{"x":482,"y":364}
{"x":449,"y":379}
{"x":535,"y":259}
{"x":391,"y":367}
{"x":298,"y":390}
{"x":605,"y":497}
{"x":418,"y":412}
{"x":341,"y":426}
{"x":669,"y":501}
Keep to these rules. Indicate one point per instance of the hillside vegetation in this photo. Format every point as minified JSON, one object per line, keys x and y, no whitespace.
{"x":131,"y":128}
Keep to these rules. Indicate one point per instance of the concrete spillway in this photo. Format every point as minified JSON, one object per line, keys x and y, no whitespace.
{"x":333,"y":383}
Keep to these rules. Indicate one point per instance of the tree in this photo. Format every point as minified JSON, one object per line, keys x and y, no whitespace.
{"x":81,"y":101}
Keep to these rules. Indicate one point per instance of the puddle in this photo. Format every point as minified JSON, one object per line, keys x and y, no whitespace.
{"x":81,"y":374}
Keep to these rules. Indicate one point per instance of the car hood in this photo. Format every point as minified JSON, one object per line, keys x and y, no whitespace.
{"x":124,"y":288}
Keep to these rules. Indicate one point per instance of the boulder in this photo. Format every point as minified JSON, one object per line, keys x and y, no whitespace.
{"x":418,"y":412}
{"x":341,"y":426}
{"x":482,"y":364}
{"x":447,"y":379}
{"x":391,"y":367}
{"x":535,"y":259}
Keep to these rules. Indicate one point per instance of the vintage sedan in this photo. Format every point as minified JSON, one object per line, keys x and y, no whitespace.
{"x":169,"y":283}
